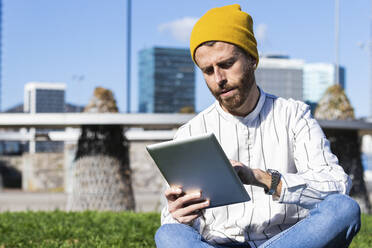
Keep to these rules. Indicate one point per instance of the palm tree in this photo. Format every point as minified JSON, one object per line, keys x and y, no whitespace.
{"x":102,"y":174}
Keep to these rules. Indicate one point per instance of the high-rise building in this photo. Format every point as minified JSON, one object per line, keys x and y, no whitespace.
{"x":318,"y":77}
{"x":281,"y":76}
{"x":166,"y":80}
{"x":44,"y":98}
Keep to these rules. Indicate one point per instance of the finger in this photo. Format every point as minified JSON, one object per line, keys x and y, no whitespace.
{"x":188,"y":219}
{"x":192,"y":209}
{"x":238,"y":168}
{"x":181,"y":201}
{"x":236,"y":163}
{"x":233,"y":161}
{"x":188,"y":198}
{"x":172,"y":193}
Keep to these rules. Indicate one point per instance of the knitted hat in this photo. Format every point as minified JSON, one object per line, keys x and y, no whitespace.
{"x":228,"y":24}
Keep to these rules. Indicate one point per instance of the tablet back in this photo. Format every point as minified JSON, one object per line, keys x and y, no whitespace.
{"x":199,"y":163}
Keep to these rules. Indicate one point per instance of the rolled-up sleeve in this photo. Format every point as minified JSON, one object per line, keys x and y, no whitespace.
{"x":166,"y":217}
{"x":318,"y":172}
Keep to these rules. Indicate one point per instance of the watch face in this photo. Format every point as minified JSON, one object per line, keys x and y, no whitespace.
{"x":272,"y":171}
{"x":271,"y":191}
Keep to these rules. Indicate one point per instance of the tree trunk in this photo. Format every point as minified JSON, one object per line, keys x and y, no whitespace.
{"x":102,"y":175}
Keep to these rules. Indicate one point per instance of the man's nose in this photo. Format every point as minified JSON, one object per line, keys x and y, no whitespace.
{"x":219,"y":76}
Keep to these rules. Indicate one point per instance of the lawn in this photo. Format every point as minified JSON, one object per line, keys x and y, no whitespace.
{"x":364,"y":237}
{"x":99,"y":229}
{"x":78,"y":229}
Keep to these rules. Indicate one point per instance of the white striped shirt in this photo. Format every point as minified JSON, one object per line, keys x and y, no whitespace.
{"x":279,"y":134}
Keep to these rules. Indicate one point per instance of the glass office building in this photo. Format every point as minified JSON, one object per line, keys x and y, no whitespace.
{"x":281,"y":76}
{"x":166,"y":80}
{"x":318,"y":77}
{"x":44,"y":98}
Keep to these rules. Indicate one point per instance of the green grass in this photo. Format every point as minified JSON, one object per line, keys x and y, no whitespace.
{"x":78,"y":229}
{"x":100,"y":229}
{"x":364,"y":237}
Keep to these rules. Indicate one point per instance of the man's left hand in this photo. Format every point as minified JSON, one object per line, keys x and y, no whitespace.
{"x":254,"y":177}
{"x":245,"y":173}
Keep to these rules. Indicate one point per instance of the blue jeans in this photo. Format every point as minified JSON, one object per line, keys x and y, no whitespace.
{"x":333,"y":223}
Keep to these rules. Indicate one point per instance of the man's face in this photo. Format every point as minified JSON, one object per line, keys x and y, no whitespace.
{"x":229,"y":75}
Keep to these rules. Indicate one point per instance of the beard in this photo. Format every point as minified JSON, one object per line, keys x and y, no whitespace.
{"x":243,"y":88}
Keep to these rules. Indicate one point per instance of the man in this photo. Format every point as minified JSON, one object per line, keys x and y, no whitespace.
{"x":279,"y":151}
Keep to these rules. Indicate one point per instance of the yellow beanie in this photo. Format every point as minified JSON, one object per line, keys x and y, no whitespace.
{"x":228,"y":24}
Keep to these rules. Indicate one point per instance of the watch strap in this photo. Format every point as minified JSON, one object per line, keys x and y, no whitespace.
{"x":275,"y":179}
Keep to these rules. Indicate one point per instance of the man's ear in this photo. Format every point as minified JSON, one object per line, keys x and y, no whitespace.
{"x":254,"y":64}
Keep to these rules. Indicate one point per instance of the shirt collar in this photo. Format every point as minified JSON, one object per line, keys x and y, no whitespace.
{"x":245,"y":119}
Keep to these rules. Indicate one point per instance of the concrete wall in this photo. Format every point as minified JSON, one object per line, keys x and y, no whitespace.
{"x":43,"y":172}
{"x":51,"y":172}
{"x":148,"y":184}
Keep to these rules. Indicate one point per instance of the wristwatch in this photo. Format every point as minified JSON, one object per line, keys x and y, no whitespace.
{"x":275,"y":179}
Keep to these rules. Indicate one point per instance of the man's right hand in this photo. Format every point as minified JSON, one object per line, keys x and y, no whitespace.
{"x":185,"y":207}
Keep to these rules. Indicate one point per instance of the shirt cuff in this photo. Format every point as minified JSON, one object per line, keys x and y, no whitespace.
{"x":292,"y":188}
{"x":166,"y":217}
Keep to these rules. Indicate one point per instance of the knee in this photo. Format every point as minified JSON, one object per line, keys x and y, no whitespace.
{"x":344,"y":215}
{"x":163,"y":235}
{"x":344,"y":207}
{"x":174,"y":235}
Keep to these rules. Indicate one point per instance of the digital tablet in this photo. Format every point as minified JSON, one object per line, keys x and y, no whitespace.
{"x":199,"y":163}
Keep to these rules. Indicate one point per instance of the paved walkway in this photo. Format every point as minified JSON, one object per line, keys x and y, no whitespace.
{"x":15,"y":200}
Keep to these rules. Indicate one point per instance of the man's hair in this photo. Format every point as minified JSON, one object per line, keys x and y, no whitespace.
{"x":238,"y":50}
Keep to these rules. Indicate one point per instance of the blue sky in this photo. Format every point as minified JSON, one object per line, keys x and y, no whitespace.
{"x":83,"y":42}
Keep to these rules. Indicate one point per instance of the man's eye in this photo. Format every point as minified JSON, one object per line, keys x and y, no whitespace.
{"x":227,"y":64}
{"x":208,"y":71}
